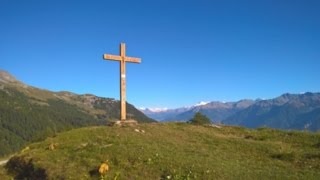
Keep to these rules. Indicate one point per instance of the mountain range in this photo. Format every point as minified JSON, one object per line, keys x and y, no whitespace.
{"x":215,"y":110}
{"x":29,"y":114}
{"x":288,"y":111}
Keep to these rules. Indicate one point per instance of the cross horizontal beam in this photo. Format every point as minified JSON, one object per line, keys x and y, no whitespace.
{"x":112,"y":57}
{"x":132,"y":59}
{"x":119,"y":58}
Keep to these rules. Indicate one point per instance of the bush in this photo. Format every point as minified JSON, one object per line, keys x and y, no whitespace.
{"x":199,"y":119}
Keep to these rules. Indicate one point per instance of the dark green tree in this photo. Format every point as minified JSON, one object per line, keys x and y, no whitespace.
{"x":199,"y":119}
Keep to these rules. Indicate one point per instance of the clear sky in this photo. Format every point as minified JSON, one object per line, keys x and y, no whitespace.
{"x":191,"y":51}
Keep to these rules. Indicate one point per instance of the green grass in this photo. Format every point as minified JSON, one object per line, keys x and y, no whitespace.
{"x":172,"y":150}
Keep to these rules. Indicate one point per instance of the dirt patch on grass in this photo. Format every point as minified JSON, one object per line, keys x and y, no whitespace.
{"x":317,"y":145}
{"x":284,"y":156}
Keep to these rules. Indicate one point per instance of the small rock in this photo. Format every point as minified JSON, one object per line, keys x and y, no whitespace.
{"x":214,"y":125}
{"x":107,"y":145}
{"x":139,"y":131}
{"x":25,"y":149}
{"x":84,"y":144}
{"x":52,"y":146}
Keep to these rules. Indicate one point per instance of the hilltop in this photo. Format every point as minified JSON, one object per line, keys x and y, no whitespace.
{"x":170,"y":151}
{"x":29,"y":113}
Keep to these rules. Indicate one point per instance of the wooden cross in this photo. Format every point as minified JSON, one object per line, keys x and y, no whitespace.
{"x":123,"y":59}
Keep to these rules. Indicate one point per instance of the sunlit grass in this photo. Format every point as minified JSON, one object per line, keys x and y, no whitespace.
{"x":179,"y":151}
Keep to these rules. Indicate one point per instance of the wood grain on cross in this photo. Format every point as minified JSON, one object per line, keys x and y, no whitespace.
{"x":123,"y":59}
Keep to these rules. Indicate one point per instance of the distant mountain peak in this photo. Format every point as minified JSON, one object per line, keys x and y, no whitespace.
{"x":201,"y":103}
{"x":155,"y":110}
{"x":6,"y":77}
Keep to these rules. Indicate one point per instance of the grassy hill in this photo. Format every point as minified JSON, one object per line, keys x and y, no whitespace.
{"x":170,"y":151}
{"x":29,"y":114}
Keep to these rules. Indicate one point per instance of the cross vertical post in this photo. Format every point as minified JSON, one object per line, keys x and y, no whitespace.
{"x":123,"y":107}
{"x":123,"y":59}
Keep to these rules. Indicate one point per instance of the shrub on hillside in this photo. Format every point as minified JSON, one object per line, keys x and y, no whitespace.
{"x":199,"y":119}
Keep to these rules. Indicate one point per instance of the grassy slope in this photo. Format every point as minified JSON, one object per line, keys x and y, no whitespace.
{"x":179,"y":151}
{"x":29,"y":114}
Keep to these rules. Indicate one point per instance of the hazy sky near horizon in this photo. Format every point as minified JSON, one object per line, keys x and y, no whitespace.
{"x":200,"y":50}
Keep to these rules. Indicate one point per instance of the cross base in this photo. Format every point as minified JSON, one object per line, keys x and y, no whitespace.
{"x":122,"y":123}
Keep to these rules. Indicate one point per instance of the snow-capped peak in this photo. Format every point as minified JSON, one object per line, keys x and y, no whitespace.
{"x":155,"y":110}
{"x":201,"y":103}
{"x":158,"y":109}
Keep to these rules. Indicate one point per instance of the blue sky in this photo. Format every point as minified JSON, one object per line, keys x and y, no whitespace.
{"x":191,"y":51}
